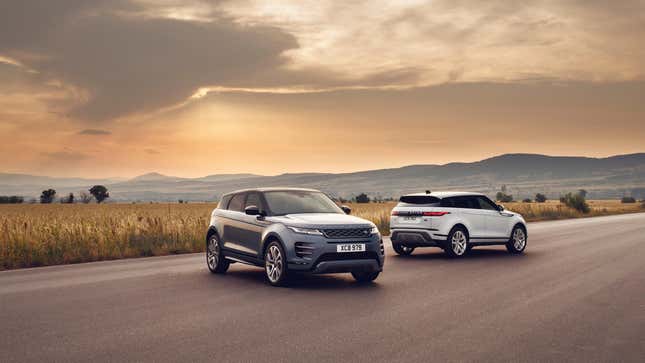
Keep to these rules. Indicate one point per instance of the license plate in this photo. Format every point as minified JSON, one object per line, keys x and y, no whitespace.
{"x":409,"y":219}
{"x":350,"y":247}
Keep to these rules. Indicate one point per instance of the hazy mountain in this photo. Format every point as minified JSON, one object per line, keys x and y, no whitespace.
{"x":523,"y":174}
{"x":154,"y":177}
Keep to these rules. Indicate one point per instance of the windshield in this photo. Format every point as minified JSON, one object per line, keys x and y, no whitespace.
{"x":294,"y":202}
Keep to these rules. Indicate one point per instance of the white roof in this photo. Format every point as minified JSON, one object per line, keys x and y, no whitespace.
{"x":446,"y":194}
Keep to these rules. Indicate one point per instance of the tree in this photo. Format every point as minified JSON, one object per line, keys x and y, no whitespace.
{"x":526,"y":200}
{"x":13,"y":199}
{"x":628,"y":200}
{"x":362,"y":198}
{"x":576,"y":201}
{"x":540,"y":198}
{"x":99,"y":192}
{"x":84,"y":197}
{"x":582,"y":193}
{"x":47,"y":196}
{"x":68,"y":200}
{"x":503,"y":197}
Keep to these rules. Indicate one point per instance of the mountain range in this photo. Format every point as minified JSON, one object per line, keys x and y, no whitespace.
{"x":522,"y":174}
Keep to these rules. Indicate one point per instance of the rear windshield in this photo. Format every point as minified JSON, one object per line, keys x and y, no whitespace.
{"x":419,"y":201}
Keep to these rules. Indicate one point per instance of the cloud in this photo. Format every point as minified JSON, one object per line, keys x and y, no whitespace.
{"x":124,"y":62}
{"x":94,"y":132}
{"x":462,"y":40}
{"x":115,"y":58}
{"x":64,"y":156}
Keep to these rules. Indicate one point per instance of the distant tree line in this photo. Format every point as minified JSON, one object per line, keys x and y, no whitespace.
{"x":98,"y":192}
{"x":11,"y":199}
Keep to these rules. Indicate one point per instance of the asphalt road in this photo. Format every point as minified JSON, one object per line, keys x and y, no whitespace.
{"x":578,"y":294}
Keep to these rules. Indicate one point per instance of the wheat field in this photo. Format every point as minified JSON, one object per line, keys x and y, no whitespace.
{"x":52,"y":234}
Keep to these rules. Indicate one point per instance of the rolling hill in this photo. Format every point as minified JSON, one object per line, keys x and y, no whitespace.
{"x":523,"y":174}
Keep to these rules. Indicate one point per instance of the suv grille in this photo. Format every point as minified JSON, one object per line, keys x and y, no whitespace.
{"x":347,"y":232}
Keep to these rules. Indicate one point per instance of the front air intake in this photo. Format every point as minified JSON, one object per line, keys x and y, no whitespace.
{"x":304,"y":249}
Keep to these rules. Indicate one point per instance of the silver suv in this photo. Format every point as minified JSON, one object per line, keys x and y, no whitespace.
{"x":287,"y":230}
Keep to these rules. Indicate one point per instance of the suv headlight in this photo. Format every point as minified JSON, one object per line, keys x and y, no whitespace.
{"x":309,"y":231}
{"x":374,"y":230}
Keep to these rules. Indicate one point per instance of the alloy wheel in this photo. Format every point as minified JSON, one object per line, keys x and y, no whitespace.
{"x":273,"y":263}
{"x":212,"y":253}
{"x":519,"y":239}
{"x":459,"y":243}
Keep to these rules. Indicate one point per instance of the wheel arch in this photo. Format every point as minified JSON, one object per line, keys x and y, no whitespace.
{"x":460,"y":225}
{"x":523,"y":226}
{"x":271,"y":237}
{"x":211,"y":231}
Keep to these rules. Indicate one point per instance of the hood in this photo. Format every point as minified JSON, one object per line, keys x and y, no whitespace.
{"x":319,"y":220}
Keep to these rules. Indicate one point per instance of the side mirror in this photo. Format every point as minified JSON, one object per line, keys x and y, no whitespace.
{"x":346,"y":209}
{"x":500,"y":207}
{"x":252,"y":210}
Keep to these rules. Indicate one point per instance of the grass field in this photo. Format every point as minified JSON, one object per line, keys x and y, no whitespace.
{"x":53,"y":234}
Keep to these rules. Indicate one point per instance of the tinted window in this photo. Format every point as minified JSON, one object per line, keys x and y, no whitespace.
{"x":253,"y":199}
{"x":419,"y":201}
{"x":460,"y":202}
{"x":223,"y":204}
{"x":485,"y":203}
{"x":236,"y":203}
{"x":293,"y":202}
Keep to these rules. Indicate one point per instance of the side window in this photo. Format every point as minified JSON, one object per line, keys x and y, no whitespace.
{"x":484,"y":203}
{"x":253,"y":199}
{"x":464,"y":202}
{"x":448,"y":202}
{"x":237,"y":203}
{"x":223,"y":203}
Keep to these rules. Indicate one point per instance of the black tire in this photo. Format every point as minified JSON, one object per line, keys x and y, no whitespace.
{"x":517,"y":242}
{"x":402,"y":250}
{"x":275,"y":265}
{"x":456,"y":245}
{"x":365,"y":277}
{"x":215,"y":259}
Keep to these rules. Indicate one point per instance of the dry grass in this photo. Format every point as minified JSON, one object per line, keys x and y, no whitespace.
{"x":39,"y":235}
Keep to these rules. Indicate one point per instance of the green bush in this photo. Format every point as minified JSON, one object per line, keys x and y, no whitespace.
{"x":628,"y":200}
{"x":362,"y":198}
{"x":540,"y":198}
{"x":576,"y":201}
{"x":503,"y":197}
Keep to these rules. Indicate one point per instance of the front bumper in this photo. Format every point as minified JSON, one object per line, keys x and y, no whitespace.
{"x":324,"y":258}
{"x":417,"y":237}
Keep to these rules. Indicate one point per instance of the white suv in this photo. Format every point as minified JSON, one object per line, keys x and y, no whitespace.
{"x":456,"y":222}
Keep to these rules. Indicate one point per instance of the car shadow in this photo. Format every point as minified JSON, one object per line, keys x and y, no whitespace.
{"x":489,"y":252}
{"x":299,"y":281}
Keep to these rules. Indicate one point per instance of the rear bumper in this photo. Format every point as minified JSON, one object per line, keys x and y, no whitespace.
{"x":416,"y":238}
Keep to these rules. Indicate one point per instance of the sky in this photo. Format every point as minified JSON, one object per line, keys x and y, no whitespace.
{"x":108,"y":88}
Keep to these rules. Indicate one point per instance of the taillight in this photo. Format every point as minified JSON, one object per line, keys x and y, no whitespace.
{"x":419,"y":213}
{"x":435,"y":214}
